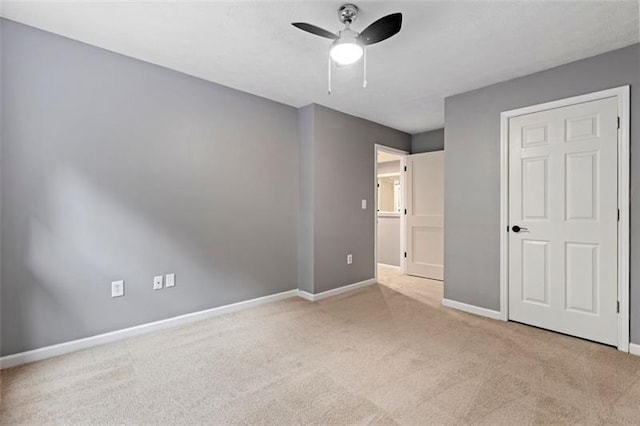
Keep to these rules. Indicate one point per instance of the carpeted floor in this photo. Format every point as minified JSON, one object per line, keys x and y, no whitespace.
{"x":385,"y":354}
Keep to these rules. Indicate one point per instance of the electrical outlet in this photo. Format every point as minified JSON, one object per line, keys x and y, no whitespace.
{"x":364,"y":204}
{"x":349,"y":259}
{"x":170,"y":280}
{"x":157,"y":282}
{"x":117,"y":288}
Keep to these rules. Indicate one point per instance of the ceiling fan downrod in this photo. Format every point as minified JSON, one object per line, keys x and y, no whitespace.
{"x":348,"y":13}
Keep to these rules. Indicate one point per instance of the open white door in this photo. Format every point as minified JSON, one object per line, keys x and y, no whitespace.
{"x":425,"y":215}
{"x":563,"y":211}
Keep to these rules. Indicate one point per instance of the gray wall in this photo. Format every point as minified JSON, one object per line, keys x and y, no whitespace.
{"x":472,"y":170}
{"x":389,"y":239}
{"x":1,"y":134}
{"x":114,"y":168}
{"x":343,"y":175}
{"x":432,"y":140}
{"x":306,"y":137}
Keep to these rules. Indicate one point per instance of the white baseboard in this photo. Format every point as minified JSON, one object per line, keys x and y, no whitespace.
{"x":100,"y":339}
{"x":113,"y":336}
{"x":634,"y":349}
{"x":489,"y":313}
{"x":306,"y":295}
{"x":384,"y":265}
{"x":319,"y":296}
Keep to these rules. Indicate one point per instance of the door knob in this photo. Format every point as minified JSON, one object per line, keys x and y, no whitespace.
{"x":516,"y":228}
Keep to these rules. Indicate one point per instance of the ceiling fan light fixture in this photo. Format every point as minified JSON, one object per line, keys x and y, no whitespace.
{"x":348,"y":46}
{"x":346,"y":51}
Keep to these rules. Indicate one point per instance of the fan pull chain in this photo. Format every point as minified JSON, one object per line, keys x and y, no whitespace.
{"x":329,"y":79}
{"x":364,"y":74}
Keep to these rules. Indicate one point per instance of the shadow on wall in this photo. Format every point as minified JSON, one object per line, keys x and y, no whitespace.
{"x":84,"y":236}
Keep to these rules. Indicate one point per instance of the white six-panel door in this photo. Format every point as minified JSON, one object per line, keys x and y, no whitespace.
{"x":425,"y":215}
{"x":563,"y":194}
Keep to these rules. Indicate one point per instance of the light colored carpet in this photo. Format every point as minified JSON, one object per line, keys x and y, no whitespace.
{"x":381,"y":355}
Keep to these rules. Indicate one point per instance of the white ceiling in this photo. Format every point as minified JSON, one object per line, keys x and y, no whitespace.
{"x":444,"y":48}
{"x":385,"y":157}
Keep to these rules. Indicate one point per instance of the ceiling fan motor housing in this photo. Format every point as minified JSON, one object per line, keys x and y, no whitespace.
{"x":348,"y":13}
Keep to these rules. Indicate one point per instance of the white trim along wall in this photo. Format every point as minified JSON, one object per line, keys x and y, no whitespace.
{"x":39,"y":354}
{"x":476,"y":310}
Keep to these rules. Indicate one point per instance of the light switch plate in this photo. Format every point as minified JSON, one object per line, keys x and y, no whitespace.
{"x":157,"y":282}
{"x":349,"y":259}
{"x":364,"y":204}
{"x":170,"y":280}
{"x":117,"y":288}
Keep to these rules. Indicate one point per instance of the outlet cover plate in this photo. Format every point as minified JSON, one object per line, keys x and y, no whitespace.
{"x":349,"y":259}
{"x":157,"y":282}
{"x":170,"y":280}
{"x":117,"y":288}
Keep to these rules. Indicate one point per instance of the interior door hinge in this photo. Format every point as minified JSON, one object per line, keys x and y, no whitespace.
{"x":405,"y":211}
{"x":405,"y":168}
{"x":405,"y":254}
{"x":618,"y":307}
{"x":618,"y":122}
{"x":618,"y":215}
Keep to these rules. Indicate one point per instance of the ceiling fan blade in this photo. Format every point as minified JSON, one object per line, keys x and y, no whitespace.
{"x":382,"y":29}
{"x":315,"y":30}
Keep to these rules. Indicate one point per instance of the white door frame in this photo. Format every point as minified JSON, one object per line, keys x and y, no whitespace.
{"x":403,"y":218}
{"x":622,"y":94}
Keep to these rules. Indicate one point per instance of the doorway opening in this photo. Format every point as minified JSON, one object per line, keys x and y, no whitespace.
{"x":409,"y":223}
{"x":389,"y":208}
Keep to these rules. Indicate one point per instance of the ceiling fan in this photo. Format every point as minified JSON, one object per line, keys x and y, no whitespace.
{"x":349,"y":46}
